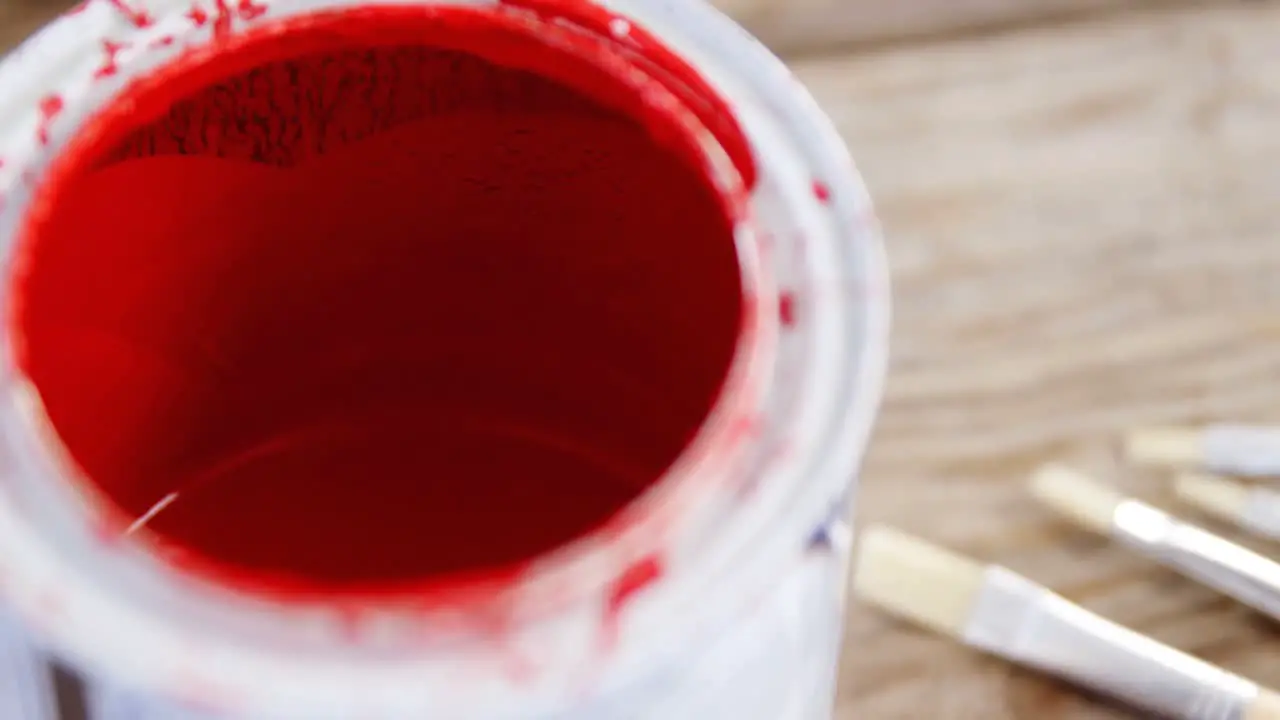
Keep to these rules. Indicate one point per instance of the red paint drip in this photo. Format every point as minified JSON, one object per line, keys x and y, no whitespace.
{"x":111,"y":51}
{"x":138,"y":18}
{"x":633,"y":581}
{"x":391,"y":348}
{"x":787,"y":309}
{"x":223,"y":19}
{"x":50,"y":108}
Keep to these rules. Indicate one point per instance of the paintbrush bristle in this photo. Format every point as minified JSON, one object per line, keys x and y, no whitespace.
{"x":917,"y":581}
{"x":1076,"y":496}
{"x":1167,"y":447}
{"x":1219,"y":497}
{"x":1264,"y":707}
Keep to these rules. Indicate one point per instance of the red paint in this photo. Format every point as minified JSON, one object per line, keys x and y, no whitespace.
{"x":787,"y":309}
{"x":225,"y":14}
{"x":111,"y":53}
{"x":197,"y":15}
{"x":250,"y":10}
{"x":654,"y":57}
{"x":822,"y":191}
{"x":381,"y":312}
{"x":222,"y":19}
{"x":634,"y":580}
{"x":138,"y":18}
{"x":50,"y":108}
{"x":163,"y":41}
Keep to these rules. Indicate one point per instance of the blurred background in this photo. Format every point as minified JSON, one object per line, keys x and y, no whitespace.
{"x":1082,"y":204}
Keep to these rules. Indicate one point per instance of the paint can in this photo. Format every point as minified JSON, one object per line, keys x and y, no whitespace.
{"x":717,"y":592}
{"x":26,"y":689}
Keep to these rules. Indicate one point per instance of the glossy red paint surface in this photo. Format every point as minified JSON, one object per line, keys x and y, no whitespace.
{"x":379,"y":311}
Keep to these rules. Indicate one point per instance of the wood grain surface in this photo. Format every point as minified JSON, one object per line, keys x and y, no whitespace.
{"x":789,"y":26}
{"x":1084,"y":226}
{"x":812,"y":26}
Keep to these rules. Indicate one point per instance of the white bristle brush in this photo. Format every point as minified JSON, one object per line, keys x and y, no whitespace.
{"x":1254,"y":509}
{"x":1002,"y":613}
{"x":1244,"y":450}
{"x":1233,"y":570}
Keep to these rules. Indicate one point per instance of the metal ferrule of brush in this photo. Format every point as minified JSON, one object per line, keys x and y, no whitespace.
{"x":1229,"y":568}
{"x":1024,"y":622}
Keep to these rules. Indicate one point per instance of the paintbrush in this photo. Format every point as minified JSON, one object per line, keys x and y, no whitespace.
{"x":1233,"y":570}
{"x":1244,"y":450}
{"x":997,"y":611}
{"x":1254,"y":509}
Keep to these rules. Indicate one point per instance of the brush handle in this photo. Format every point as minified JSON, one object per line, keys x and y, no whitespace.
{"x":1026,"y":623}
{"x":1229,"y":568}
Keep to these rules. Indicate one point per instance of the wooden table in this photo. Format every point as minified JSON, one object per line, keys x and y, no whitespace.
{"x":1082,"y":199}
{"x":1084,"y":226}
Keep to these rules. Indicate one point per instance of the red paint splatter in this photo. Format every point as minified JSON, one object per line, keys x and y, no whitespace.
{"x":223,"y":19}
{"x":138,"y":18}
{"x":630,"y":583}
{"x":225,"y":15}
{"x":111,"y":51}
{"x":197,"y":16}
{"x":787,"y":309}
{"x":822,"y":191}
{"x":162,"y":42}
{"x":249,"y":10}
{"x":50,"y":108}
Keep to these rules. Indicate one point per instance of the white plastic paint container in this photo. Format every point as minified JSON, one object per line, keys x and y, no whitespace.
{"x":717,"y":594}
{"x":26,"y":689}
